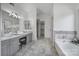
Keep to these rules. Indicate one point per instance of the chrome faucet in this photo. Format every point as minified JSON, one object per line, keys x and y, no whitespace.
{"x":75,"y":40}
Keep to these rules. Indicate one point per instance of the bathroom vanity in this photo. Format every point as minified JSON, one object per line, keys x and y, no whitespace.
{"x":13,"y":29}
{"x":10,"y":44}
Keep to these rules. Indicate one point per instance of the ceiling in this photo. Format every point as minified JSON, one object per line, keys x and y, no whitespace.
{"x":42,"y":8}
{"x":45,"y":8}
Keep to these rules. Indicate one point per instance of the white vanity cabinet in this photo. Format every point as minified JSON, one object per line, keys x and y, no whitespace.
{"x":9,"y":47}
{"x":14,"y":46}
{"x":5,"y":47}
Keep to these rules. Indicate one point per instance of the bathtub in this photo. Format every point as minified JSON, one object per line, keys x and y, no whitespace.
{"x":65,"y":48}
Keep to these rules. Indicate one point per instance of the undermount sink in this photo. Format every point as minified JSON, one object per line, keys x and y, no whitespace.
{"x":7,"y":35}
{"x":19,"y":33}
{"x":16,"y":34}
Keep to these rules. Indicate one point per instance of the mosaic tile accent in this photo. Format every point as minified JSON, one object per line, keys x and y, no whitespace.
{"x":64,"y":34}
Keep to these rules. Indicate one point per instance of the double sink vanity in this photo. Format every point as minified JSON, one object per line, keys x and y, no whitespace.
{"x":10,"y":44}
{"x":14,"y":27}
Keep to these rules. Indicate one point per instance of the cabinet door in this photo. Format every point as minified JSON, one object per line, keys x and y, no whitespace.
{"x":9,"y":47}
{"x":14,"y":46}
{"x":29,"y":38}
{"x":5,"y":51}
{"x":5,"y":48}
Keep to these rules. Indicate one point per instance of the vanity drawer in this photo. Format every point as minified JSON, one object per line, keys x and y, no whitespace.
{"x":29,"y":38}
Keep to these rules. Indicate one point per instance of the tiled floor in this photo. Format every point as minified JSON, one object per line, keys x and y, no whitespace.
{"x":40,"y":47}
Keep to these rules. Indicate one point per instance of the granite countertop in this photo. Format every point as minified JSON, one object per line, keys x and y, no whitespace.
{"x":68,"y":48}
{"x":14,"y":35}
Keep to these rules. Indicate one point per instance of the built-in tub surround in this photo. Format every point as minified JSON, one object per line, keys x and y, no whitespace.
{"x":63,"y":43}
{"x":64,"y":47}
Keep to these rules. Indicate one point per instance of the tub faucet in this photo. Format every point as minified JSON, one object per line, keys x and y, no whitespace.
{"x":75,"y":40}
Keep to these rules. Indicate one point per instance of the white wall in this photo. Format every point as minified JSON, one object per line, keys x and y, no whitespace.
{"x":45,"y":12}
{"x":77,"y":21}
{"x":48,"y":27}
{"x":32,"y":17}
{"x":29,"y":13}
{"x":63,"y":18}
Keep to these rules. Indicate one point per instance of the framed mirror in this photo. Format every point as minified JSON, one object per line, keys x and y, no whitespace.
{"x":10,"y":24}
